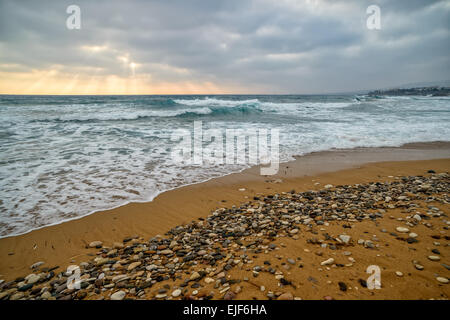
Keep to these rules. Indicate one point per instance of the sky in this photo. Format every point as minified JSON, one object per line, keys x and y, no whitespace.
{"x":220,"y":46}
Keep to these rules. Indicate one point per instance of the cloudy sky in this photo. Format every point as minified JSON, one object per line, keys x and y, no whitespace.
{"x":220,"y":46}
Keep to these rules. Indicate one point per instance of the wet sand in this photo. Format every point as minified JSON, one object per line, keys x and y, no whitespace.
{"x":64,"y":244}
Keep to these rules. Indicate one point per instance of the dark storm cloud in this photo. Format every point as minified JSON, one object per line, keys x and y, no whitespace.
{"x":270,"y":46}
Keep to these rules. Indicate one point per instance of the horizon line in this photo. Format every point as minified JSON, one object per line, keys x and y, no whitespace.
{"x":192,"y":94}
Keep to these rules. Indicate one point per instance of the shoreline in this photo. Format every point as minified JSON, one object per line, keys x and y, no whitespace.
{"x":422,"y":146}
{"x":64,"y":243}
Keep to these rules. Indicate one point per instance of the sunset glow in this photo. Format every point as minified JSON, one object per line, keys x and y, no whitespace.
{"x":53,"y":82}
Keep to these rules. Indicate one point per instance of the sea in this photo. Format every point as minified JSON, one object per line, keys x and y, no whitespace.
{"x":64,"y":157}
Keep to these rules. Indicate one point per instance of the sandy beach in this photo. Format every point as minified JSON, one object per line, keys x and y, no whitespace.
{"x":298,"y":256}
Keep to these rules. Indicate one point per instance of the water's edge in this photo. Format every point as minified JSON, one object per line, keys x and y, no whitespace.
{"x":427,"y":145}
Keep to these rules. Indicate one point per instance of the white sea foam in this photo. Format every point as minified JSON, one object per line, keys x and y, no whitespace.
{"x":215,"y":102}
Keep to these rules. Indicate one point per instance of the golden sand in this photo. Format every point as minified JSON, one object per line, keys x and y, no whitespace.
{"x":65,"y":243}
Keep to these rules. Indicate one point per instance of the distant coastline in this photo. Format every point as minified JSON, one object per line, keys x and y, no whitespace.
{"x":434,"y":91}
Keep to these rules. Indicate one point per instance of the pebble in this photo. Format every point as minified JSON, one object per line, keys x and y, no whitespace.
{"x":46,"y":295}
{"x":442,"y":280}
{"x":134,"y":265}
{"x":286,"y":296}
{"x":119,"y":295}
{"x":342,"y":286}
{"x":434,"y":258}
{"x":17,"y":296}
{"x":230,"y":295}
{"x":270,"y":295}
{"x":32,"y":278}
{"x":345,"y":238}
{"x":120,"y":277}
{"x":419,"y":267}
{"x":368,"y":244}
{"x":402,"y":229}
{"x":26,"y":287}
{"x":95,"y":244}
{"x":118,"y":245}
{"x":194,"y":276}
{"x":37,"y":265}
{"x":176,"y":293}
{"x":327,"y":262}
{"x":398,"y":273}
{"x":209,"y":280}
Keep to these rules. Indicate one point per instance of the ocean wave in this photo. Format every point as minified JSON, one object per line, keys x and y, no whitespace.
{"x":183,"y":113}
{"x":363,"y":107}
{"x":207,"y":102}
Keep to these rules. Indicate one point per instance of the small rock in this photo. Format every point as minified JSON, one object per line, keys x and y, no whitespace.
{"x":32,"y":278}
{"x":46,"y":295}
{"x":176,"y":293}
{"x":17,"y":296}
{"x":418,"y":266}
{"x":230,"y":295}
{"x":345,"y":238}
{"x":37,"y":265}
{"x":194,"y":276}
{"x":118,"y":245}
{"x":434,"y":258}
{"x":368,"y":244}
{"x":327,"y":262}
{"x":286,"y":296}
{"x":342,"y":286}
{"x":26,"y":287}
{"x":402,"y":229}
{"x":119,"y":295}
{"x":95,"y":244}
{"x":133,"y":265}
{"x":442,"y":280}
{"x":209,"y":280}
